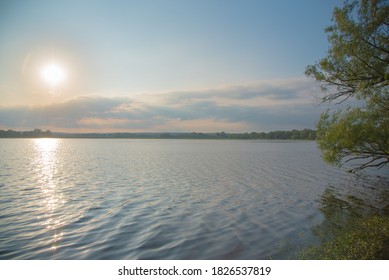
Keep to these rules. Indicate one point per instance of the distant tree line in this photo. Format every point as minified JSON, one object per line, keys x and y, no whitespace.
{"x":305,"y":134}
{"x":36,"y":133}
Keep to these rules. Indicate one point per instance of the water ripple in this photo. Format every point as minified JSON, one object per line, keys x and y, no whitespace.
{"x":166,"y":199}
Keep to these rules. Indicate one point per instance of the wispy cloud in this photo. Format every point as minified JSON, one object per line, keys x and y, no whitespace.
{"x":259,"y":106}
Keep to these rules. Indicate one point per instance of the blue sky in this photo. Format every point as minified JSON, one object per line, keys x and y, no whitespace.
{"x":210,"y":65}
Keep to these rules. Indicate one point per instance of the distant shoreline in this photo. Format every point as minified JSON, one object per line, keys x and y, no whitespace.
{"x":305,"y":134}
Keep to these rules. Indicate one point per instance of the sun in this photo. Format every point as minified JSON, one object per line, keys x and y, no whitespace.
{"x":53,"y":73}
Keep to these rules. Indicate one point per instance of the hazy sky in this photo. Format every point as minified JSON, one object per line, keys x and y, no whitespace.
{"x":212,"y":65}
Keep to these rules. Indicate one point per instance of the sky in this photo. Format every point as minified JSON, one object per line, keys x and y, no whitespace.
{"x":161,"y":65}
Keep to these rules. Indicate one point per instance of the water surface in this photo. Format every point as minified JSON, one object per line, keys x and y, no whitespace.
{"x":166,"y":199}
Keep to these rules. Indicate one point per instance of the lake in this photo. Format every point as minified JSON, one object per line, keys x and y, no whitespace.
{"x":171,"y":199}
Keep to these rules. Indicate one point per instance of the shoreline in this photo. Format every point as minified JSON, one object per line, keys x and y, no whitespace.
{"x":305,"y":134}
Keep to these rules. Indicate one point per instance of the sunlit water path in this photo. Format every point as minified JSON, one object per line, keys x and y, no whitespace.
{"x":168,"y":199}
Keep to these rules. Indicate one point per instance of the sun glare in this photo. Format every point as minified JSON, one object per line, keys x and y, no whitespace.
{"x":53,"y":74}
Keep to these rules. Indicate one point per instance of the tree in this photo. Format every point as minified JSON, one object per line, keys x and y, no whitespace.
{"x":356,"y":69}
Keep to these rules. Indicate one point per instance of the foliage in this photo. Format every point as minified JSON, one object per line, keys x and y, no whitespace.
{"x":355,"y":133}
{"x":356,"y":68}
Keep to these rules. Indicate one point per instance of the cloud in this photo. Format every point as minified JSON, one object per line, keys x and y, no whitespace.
{"x":259,"y":106}
{"x":103,"y":122}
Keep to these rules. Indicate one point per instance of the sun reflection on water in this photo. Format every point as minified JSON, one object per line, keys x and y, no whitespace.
{"x":46,"y":165}
{"x":46,"y":144}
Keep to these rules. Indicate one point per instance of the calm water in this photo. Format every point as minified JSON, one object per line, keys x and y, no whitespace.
{"x":168,"y":199}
